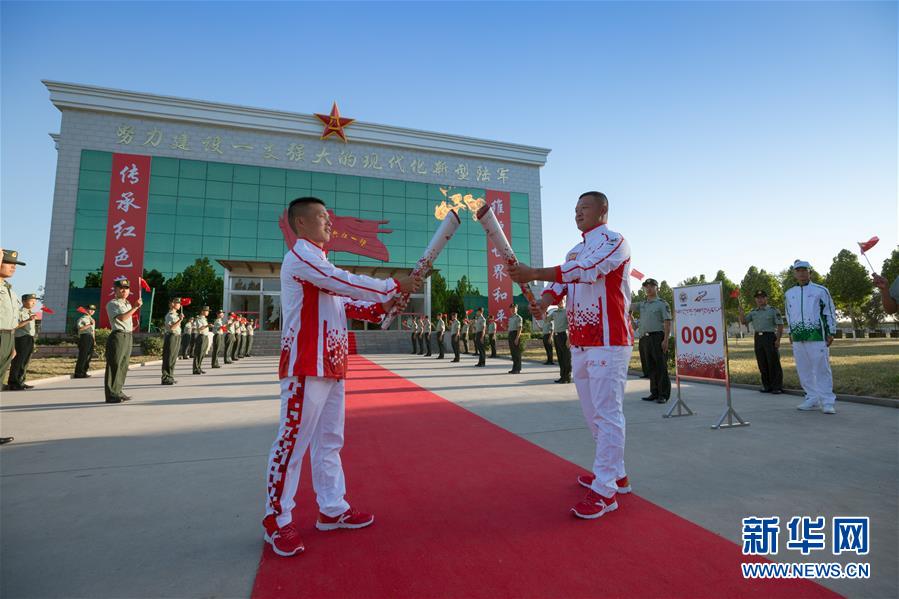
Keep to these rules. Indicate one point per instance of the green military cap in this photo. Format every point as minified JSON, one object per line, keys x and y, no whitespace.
{"x":92,"y":307}
{"x":122,"y":283}
{"x":12,"y":257}
{"x":221,"y":311}
{"x":650,"y":282}
{"x":175,"y":300}
{"x":761,"y":293}
{"x":204,"y":309}
{"x":28,"y":296}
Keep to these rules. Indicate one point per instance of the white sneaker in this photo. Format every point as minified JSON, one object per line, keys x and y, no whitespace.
{"x":809,"y":404}
{"x":829,"y":410}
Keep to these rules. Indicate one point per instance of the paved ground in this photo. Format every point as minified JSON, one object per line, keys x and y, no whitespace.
{"x":162,"y":496}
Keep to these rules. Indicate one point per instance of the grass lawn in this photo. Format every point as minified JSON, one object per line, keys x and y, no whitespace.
{"x":41,"y":368}
{"x":860,"y":366}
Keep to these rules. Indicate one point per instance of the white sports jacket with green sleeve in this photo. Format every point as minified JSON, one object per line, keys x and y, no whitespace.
{"x":810,"y":312}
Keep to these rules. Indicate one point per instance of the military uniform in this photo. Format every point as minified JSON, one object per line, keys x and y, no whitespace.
{"x":765,"y":323}
{"x":515,"y":342}
{"x":414,"y":326}
{"x":491,"y":337}
{"x":548,"y":339}
{"x":455,"y":327}
{"x":464,"y":335}
{"x":229,"y":340}
{"x":171,"y":342}
{"x":480,"y":329}
{"x":192,"y":344}
{"x":217,"y":339}
{"x":242,"y":349}
{"x":441,"y":332}
{"x":201,"y":343}
{"x":653,"y":314}
{"x":469,"y":346}
{"x":250,"y":327}
{"x":86,"y":339}
{"x":235,"y":338}
{"x":118,"y":347}
{"x":24,"y":343}
{"x":560,"y":340}
{"x":9,"y":320}
{"x":426,"y":334}
{"x":185,"y":338}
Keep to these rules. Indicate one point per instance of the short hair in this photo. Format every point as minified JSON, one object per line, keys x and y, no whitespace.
{"x":299,"y":206}
{"x":596,"y":196}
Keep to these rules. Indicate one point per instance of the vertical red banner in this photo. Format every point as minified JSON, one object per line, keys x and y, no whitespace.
{"x":126,"y":227}
{"x":498,"y":282}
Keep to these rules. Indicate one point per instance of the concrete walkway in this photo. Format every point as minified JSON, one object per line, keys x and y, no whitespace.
{"x":162,"y":496}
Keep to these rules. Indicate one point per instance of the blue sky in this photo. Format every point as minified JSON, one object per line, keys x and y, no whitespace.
{"x":725,"y":134}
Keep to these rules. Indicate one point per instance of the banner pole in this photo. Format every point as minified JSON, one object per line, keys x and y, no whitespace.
{"x":680,"y":405}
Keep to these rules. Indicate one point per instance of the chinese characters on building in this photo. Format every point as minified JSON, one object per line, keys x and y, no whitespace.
{"x":295,"y":152}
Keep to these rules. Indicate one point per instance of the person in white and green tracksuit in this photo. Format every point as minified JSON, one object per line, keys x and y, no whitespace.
{"x":812,"y":318}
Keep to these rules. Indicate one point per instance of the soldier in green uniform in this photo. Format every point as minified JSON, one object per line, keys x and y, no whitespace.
{"x":201,"y":342}
{"x":768,"y":325}
{"x":468,"y":330}
{"x":229,"y":339}
{"x":192,"y":344}
{"x":426,"y":334}
{"x":547,"y":326}
{"x":250,"y":328}
{"x":491,"y":336}
{"x":655,"y":325}
{"x":171,"y":341}
{"x":515,"y":339}
{"x":235,"y":337}
{"x":480,"y":331}
{"x":217,"y":338}
{"x":441,"y":332}
{"x":10,"y":304}
{"x":185,"y":337}
{"x":119,"y":342}
{"x":24,"y":342}
{"x":242,"y":347}
{"x":463,"y":335}
{"x":455,"y":327}
{"x":86,"y":325}
{"x":560,"y":341}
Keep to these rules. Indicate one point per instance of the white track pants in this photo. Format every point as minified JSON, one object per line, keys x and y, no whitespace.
{"x":600,"y":374}
{"x":312,"y":416}
{"x":813,"y":367}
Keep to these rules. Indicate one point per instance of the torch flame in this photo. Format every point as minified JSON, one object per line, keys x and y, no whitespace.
{"x":459,"y":202}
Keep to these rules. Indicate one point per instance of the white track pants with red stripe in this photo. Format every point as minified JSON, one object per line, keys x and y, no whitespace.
{"x":312,"y":416}
{"x":600,"y":374}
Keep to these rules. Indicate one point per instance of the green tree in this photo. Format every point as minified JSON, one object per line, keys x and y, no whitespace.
{"x":756,"y":279}
{"x":666,"y":293}
{"x":890,"y":268}
{"x":693,"y":281}
{"x":439,"y":294}
{"x":198,"y":282}
{"x":94,"y":279}
{"x":850,"y":286}
{"x":731,"y":304}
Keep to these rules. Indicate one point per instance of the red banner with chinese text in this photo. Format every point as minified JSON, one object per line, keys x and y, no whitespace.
{"x":499,"y":284}
{"x":126,"y":227}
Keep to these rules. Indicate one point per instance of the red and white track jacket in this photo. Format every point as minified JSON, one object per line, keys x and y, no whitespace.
{"x":595,"y":277}
{"x":316,"y":298}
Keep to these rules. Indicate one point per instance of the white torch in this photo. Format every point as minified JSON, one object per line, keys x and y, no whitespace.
{"x":496,"y":234}
{"x":442,"y":235}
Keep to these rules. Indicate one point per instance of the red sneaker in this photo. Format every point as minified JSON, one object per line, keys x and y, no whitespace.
{"x":286,"y":541}
{"x":586,"y":480}
{"x":594,"y":505}
{"x":349,"y":519}
{"x":270,"y":525}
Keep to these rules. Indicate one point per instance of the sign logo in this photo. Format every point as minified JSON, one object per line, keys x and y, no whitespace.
{"x":700,"y":296}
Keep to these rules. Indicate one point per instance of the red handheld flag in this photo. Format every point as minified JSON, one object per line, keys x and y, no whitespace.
{"x":143,"y":284}
{"x":867,"y":245}
{"x":735,"y":293}
{"x":637,"y":274}
{"x":47,"y":310}
{"x":468,"y":311}
{"x":185,"y":301}
{"x":82,"y":310}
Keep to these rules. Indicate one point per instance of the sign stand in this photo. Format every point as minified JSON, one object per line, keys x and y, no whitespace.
{"x":729,"y":412}
{"x":680,"y":405}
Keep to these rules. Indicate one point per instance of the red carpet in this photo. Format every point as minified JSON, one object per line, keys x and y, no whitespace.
{"x":466,"y":509}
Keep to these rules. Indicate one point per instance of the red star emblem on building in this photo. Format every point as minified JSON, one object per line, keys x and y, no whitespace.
{"x":334,"y":123}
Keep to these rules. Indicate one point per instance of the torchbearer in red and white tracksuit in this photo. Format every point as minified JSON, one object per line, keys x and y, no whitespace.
{"x":595,"y":280}
{"x":316,"y":298}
